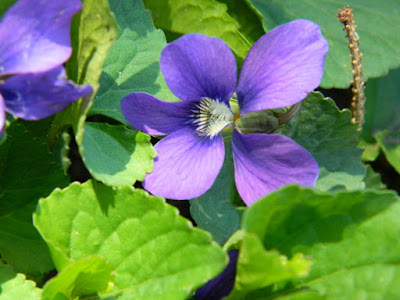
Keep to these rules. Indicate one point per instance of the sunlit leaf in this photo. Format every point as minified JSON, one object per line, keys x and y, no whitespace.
{"x":155,"y":253}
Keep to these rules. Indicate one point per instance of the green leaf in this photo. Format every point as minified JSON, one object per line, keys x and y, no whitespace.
{"x":302,"y":295}
{"x":382,"y":109}
{"x":116,"y":155}
{"x":257,"y":268}
{"x":380,"y":41}
{"x":332,"y":140}
{"x":391,"y":147}
{"x":248,"y":18}
{"x":132,"y":64}
{"x":93,"y":32}
{"x":214,"y":210}
{"x":84,"y":277}
{"x":378,"y":281}
{"x":5,"y":4}
{"x":21,"y":245}
{"x":207,"y":16}
{"x":28,"y":171}
{"x":15,"y":286}
{"x":352,"y":238}
{"x":371,"y":149}
{"x":156,"y":254}
{"x":382,"y":118}
{"x":373,"y":180}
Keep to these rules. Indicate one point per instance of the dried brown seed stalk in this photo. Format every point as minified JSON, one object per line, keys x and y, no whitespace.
{"x":346,"y":17}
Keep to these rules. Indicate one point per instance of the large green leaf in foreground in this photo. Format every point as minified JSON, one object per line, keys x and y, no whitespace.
{"x":332,"y":140}
{"x":352,"y":238}
{"x":84,"y":277}
{"x":378,"y":27}
{"x":132,"y":62}
{"x":156,"y":254}
{"x":115,"y":154}
{"x":258,"y":268}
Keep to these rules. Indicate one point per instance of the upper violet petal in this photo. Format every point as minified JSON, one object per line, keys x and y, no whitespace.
{"x":146,"y":113}
{"x":196,"y":66}
{"x":282,"y":67}
{"x":186,"y":165}
{"x":37,"y":96}
{"x":35,"y":35}
{"x":265,"y":162}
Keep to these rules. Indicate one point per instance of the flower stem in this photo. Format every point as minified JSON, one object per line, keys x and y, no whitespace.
{"x":346,"y":17}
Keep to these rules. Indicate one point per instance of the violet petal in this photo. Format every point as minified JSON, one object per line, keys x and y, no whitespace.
{"x":196,"y":66}
{"x":222,"y":285}
{"x":186,"y":165}
{"x":37,"y":96}
{"x":146,"y":113}
{"x":265,"y":162}
{"x":282,"y":67}
{"x":35,"y":35}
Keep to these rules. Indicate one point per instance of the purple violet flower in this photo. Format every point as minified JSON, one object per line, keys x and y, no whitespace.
{"x":222,"y":285}
{"x":281,"y":68}
{"x":35,"y":42}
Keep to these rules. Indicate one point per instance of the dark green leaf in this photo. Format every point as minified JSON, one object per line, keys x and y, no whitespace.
{"x":330,"y":137}
{"x":382,"y":118}
{"x":116,"y":155}
{"x":132,"y":64}
{"x":28,"y":171}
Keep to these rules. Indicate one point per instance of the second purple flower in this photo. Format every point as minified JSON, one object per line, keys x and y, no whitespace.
{"x":280,"y":70}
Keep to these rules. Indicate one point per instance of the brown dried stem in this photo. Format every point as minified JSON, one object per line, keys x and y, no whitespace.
{"x":346,"y":17}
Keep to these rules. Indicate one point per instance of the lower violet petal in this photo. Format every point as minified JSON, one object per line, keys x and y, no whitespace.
{"x":146,"y":113}
{"x":37,"y":96}
{"x":186,"y":165}
{"x":222,"y":285}
{"x":265,"y":162}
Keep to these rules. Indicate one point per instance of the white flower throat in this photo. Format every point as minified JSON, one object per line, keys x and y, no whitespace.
{"x":211,"y":116}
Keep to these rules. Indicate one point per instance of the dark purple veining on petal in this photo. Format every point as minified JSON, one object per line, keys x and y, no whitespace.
{"x":282,"y":67}
{"x":196,"y":66}
{"x":186,"y":165}
{"x":146,"y":113}
{"x":37,"y":96}
{"x":222,"y":285}
{"x":266,"y":162}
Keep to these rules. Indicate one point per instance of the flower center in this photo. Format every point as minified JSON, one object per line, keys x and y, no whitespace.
{"x":211,"y":116}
